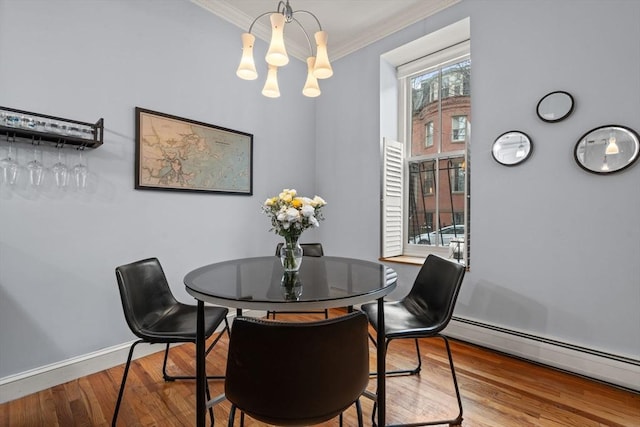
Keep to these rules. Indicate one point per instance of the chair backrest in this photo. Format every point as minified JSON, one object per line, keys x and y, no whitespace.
{"x":436,"y":289}
{"x":289,"y":373}
{"x":145,"y":294}
{"x":308,"y":249}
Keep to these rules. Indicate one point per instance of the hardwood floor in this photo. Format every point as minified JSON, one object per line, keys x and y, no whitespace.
{"x":497,"y":391}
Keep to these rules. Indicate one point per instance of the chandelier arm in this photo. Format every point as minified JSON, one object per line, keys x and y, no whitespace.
{"x":314,"y":17}
{"x":256,"y":20}
{"x":305,"y":34}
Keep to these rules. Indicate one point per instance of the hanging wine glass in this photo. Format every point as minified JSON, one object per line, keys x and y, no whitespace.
{"x":81,"y":171}
{"x":9,"y":167}
{"x":35,"y":167}
{"x":60,"y":170}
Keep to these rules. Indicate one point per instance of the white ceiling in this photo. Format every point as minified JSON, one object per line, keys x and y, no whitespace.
{"x":350,"y":24}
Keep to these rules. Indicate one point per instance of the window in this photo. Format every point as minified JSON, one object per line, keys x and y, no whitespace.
{"x":428,"y":135}
{"x":457,"y":171}
{"x":458,"y":128}
{"x":434,"y":121}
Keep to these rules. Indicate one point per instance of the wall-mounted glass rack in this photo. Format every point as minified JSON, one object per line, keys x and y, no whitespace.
{"x":34,"y":128}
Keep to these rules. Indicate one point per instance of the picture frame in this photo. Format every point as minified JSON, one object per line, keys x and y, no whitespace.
{"x":179,"y":154}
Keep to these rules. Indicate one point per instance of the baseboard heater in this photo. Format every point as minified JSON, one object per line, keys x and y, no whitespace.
{"x":617,"y":370}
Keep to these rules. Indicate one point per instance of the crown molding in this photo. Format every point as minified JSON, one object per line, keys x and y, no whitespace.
{"x":391,"y":25}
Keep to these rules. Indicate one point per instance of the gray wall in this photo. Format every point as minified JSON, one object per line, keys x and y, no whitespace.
{"x":554,"y":250}
{"x":86,"y":60}
{"x":541,"y":239}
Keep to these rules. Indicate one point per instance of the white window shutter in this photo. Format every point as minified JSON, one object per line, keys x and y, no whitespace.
{"x":392,"y":184}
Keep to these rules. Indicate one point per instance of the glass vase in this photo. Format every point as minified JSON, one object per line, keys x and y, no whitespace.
{"x":291,"y":256}
{"x":291,"y":286}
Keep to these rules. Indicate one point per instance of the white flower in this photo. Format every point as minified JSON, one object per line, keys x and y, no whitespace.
{"x":308,"y":210}
{"x":292,"y":214}
{"x":314,"y":221}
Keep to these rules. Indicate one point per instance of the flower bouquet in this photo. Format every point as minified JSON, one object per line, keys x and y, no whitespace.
{"x":290,"y":216}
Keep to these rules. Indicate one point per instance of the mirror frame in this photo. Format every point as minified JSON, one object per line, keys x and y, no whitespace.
{"x":563,"y":114}
{"x":525,"y":157}
{"x":633,"y":159}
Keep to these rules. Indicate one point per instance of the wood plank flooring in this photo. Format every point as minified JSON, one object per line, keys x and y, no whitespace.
{"x":497,"y":391}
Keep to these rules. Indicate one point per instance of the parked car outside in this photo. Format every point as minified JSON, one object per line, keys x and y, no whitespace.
{"x":443,"y":237}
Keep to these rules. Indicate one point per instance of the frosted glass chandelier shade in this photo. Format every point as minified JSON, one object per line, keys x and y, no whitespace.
{"x":277,"y":53}
{"x":271,"y":89}
{"x":323,"y":68}
{"x":311,"y":87}
{"x":247,"y":68}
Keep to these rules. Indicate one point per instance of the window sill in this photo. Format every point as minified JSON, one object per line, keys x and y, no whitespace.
{"x":405,"y":259}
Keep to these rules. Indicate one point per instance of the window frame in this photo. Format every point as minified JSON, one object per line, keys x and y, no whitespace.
{"x":441,"y":59}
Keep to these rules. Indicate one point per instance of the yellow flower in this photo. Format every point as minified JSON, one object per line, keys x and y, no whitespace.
{"x":287,"y":195}
{"x":296,"y":203}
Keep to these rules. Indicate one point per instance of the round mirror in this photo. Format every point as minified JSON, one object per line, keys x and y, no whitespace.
{"x":607,"y":149}
{"x":512,"y":147}
{"x":555,"y":106}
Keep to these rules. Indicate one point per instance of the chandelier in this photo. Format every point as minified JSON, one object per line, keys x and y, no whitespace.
{"x":318,"y":66}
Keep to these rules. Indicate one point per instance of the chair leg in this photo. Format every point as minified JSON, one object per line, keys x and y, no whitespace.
{"x":340,"y":419}
{"x":457,"y":421}
{"x":401,"y":372}
{"x":232,"y":415}
{"x":413,"y":371}
{"x":359,"y":412}
{"x":122,"y":384}
{"x":213,"y":421}
{"x":168,"y":377}
{"x":164,"y":366}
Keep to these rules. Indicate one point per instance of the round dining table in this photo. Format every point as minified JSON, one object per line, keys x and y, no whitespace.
{"x":260,"y":283}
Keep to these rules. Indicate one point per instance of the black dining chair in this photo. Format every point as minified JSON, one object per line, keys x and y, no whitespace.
{"x":156,"y":317}
{"x":308,"y":249}
{"x":313,"y":371}
{"x":423,"y":313}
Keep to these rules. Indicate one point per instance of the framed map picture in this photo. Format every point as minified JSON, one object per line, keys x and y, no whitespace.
{"x":174,"y":153}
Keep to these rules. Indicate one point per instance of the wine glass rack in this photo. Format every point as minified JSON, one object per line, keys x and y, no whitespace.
{"x":35,"y":128}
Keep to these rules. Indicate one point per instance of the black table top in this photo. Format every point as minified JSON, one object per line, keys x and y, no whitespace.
{"x":322,"y":282}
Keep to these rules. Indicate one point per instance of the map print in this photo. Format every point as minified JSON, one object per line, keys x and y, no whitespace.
{"x":179,"y":154}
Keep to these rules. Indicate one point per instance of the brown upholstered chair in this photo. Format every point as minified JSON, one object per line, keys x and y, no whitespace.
{"x":311,"y":373}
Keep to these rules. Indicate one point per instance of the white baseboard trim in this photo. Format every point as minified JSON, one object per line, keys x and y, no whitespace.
{"x":613,"y":370}
{"x":34,"y":380}
{"x":24,"y":383}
